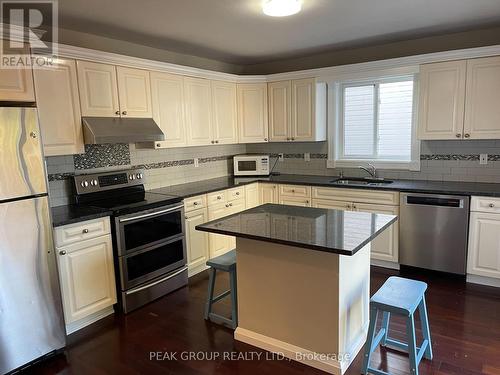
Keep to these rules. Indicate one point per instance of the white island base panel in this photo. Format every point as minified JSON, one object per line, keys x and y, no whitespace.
{"x":309,"y":306}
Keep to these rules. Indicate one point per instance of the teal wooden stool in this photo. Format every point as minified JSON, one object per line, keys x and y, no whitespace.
{"x":226,"y":263}
{"x":402,"y":297}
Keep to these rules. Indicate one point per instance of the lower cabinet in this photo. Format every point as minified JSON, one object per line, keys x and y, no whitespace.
{"x":252,"y":195}
{"x":87,"y":278}
{"x":268,"y":193}
{"x":196,"y":241}
{"x":484,"y":245}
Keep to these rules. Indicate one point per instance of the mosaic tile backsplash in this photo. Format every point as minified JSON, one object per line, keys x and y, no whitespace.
{"x":440,"y":160}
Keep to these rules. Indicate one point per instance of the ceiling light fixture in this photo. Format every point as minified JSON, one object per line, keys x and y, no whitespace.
{"x":281,"y":8}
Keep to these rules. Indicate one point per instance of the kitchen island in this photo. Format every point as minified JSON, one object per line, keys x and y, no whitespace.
{"x":303,"y":280}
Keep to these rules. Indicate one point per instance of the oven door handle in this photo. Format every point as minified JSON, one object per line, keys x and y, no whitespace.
{"x":151,"y":214}
{"x":132,"y":291}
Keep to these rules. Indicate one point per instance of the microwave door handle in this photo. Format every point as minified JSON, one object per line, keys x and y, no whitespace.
{"x":151,"y":214}
{"x":132,"y":291}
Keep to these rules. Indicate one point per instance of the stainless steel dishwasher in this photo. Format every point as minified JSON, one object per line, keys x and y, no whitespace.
{"x":433,"y":231}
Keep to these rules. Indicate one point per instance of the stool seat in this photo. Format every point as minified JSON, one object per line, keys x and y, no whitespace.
{"x":399,"y":295}
{"x":225,"y":262}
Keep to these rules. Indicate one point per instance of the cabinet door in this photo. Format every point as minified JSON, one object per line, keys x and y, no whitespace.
{"x":17,"y":84}
{"x":279,"y":111}
{"x":87,"y":277}
{"x":225,"y":122}
{"x":303,"y":109}
{"x":197,"y":241}
{"x":482,"y":109}
{"x":484,"y":245}
{"x":268,"y":193}
{"x":134,"y":91}
{"x":295,"y":201}
{"x":58,"y":105}
{"x":198,"y":97}
{"x":98,"y":89}
{"x":252,"y":112}
{"x":386,"y":245}
{"x":168,"y":108}
{"x":218,"y":243}
{"x":252,"y":195}
{"x":442,"y":98}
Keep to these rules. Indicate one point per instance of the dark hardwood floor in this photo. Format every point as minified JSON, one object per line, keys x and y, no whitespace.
{"x":464,"y":320}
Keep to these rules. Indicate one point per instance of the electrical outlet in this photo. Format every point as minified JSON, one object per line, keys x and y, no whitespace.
{"x":280,"y":156}
{"x":483,"y":159}
{"x":196,"y":164}
{"x":307,"y":156}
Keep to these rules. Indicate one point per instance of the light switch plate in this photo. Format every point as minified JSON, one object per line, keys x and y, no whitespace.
{"x":307,"y":156}
{"x":483,"y":159}
{"x":196,"y":164}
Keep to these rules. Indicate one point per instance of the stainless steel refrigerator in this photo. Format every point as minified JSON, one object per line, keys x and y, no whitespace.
{"x":31,"y":319}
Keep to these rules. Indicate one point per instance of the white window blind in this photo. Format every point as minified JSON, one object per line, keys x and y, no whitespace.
{"x":377,"y":120}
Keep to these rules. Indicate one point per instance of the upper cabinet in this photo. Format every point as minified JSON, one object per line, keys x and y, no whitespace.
{"x":17,"y":84}
{"x":134,"y":92}
{"x":198,"y":99}
{"x":459,"y":99}
{"x":482,"y":98}
{"x":59,"y":108}
{"x":252,"y":112}
{"x":297,"y":110}
{"x":168,"y":108}
{"x":109,"y":91}
{"x":224,"y":111}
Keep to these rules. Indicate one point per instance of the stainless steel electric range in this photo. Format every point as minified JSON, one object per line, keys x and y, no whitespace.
{"x":148,"y":234}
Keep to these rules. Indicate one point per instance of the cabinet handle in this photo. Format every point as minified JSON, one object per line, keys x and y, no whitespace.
{"x":195,"y":203}
{"x":117,"y":112}
{"x":216,"y":141}
{"x":124,"y":113}
{"x":293,"y":139}
{"x":293,"y":190}
{"x":348,"y":206}
{"x":353,"y":206}
{"x":467,"y":135}
{"x":213,"y":142}
{"x":85,"y":231}
{"x":230,"y":205}
{"x":219,"y":197}
{"x":307,"y":202}
{"x":62,"y":252}
{"x":237,"y":193}
{"x":33,"y":135}
{"x":458,"y":135}
{"x":227,"y":205}
{"x":491,"y":205}
{"x":287,"y":138}
{"x":265,"y":139}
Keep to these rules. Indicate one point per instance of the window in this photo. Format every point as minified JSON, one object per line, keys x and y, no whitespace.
{"x":375,"y":123}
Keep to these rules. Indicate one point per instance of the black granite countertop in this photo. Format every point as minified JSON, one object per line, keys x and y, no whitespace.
{"x":334,"y":231}
{"x":62,"y":215}
{"x":416,"y":186}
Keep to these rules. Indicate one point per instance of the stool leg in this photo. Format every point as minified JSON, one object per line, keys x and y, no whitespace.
{"x":369,"y":340}
{"x":211,"y":287}
{"x":385,"y":325}
{"x":234,"y":298}
{"x":424,"y":319}
{"x":412,"y":345}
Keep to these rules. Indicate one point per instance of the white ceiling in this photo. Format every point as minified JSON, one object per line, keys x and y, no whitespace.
{"x":236,"y":31}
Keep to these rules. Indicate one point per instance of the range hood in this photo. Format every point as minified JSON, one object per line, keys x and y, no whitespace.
{"x":97,"y":130}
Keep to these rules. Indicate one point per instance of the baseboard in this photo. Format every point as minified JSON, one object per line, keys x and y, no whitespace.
{"x":290,"y":351}
{"x":356,"y":346}
{"x":196,"y":270}
{"x":483,"y":280}
{"x":384,"y":263}
{"x":88,"y":320}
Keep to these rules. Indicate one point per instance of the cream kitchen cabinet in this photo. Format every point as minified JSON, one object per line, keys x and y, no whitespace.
{"x":134,"y":92}
{"x":110,"y":91}
{"x":268,"y":193}
{"x":224,"y":110}
{"x":252,"y":195}
{"x":198,"y":101}
{"x":86,"y":273}
{"x":167,"y":94}
{"x":442,"y":98}
{"x":295,"y":195}
{"x":196,"y":241}
{"x":252,"y":112}
{"x":58,"y":105}
{"x":297,"y":110}
{"x":17,"y":84}
{"x":482,"y":96}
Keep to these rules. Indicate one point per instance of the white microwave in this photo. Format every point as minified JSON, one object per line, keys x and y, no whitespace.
{"x":251,"y":165}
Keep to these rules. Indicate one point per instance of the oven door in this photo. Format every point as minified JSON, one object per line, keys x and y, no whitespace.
{"x":146,"y":264}
{"x":148,"y":228}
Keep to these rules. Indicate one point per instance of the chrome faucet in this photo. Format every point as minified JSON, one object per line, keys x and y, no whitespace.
{"x":371,"y":170}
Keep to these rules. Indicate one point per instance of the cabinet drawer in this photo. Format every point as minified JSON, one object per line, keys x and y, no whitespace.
{"x":216,"y":197}
{"x":357,"y":195}
{"x":194,"y":203}
{"x":235,"y":193}
{"x":86,"y":230}
{"x":485,"y":204}
{"x":295,"y":191}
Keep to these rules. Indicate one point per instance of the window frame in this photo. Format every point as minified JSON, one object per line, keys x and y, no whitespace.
{"x":336,"y":124}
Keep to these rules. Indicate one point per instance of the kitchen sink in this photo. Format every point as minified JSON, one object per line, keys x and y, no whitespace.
{"x":361,"y":181}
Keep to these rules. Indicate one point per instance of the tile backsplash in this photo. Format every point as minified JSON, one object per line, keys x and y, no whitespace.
{"x":440,"y":160}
